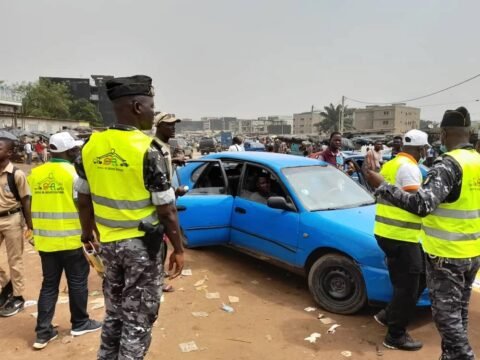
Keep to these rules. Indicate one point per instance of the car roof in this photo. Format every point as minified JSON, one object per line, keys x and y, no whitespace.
{"x":272,"y":160}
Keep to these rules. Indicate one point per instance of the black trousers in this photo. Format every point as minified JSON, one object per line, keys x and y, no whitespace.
{"x":76,"y":271}
{"x":406,"y":266}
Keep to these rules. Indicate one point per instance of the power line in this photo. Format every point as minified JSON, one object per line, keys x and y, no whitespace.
{"x":418,"y":97}
{"x":450,"y":103}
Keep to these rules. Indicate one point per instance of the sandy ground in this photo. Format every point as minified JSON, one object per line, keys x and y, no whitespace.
{"x":269,"y":321}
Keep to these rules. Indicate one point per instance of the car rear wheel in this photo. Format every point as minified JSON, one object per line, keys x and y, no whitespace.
{"x":336,"y":284}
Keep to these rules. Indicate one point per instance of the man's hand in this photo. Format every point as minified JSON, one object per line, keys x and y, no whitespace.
{"x":179,"y":160}
{"x":373,"y":178}
{"x":180,"y":191}
{"x":87,"y":238}
{"x":176,"y":261}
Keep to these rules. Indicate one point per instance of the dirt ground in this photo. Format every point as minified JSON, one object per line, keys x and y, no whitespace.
{"x":269,"y":321}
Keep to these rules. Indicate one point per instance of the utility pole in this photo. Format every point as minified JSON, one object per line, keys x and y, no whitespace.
{"x":340,"y":128}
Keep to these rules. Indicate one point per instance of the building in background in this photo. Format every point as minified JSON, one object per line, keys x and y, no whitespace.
{"x":10,"y":106}
{"x":188,"y":125}
{"x":81,"y":88}
{"x":304,"y":123}
{"x":395,"y":119}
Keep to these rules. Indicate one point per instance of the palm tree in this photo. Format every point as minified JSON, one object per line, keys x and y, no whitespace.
{"x":331,"y":121}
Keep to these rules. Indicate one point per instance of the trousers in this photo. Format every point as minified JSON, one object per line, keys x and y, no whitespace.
{"x":405,"y":262}
{"x":11,"y":231}
{"x":76,"y":271}
{"x":450,"y":283}
{"x":132,"y":288}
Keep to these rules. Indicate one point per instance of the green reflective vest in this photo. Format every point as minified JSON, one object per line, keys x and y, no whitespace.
{"x":113,"y":162}
{"x":392,"y":222}
{"x":54,"y":214}
{"x":453,"y":229}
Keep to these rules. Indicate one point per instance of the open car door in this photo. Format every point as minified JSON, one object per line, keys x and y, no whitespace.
{"x":205,"y":211}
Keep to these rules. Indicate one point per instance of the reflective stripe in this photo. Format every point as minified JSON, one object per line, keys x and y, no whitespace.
{"x":457,"y":214}
{"x":126,"y":224}
{"x":55,"y":215}
{"x":446,"y":235}
{"x":57,"y":233}
{"x":121,"y":204}
{"x":399,"y":223}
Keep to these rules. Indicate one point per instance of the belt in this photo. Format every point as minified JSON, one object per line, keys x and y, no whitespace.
{"x":10,"y":212}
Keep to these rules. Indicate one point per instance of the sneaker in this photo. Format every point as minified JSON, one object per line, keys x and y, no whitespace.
{"x":39,"y":344}
{"x":88,"y":327}
{"x":402,"y":343}
{"x":12,"y":306}
{"x":7,"y":292}
{"x":381,"y":317}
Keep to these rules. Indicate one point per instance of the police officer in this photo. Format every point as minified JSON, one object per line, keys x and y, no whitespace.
{"x":449,"y":204}
{"x":57,"y":239}
{"x":122,"y":182}
{"x":398,"y":232}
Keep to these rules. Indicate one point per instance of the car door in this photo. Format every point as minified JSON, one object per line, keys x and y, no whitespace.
{"x":205,"y":211}
{"x":259,"y":228}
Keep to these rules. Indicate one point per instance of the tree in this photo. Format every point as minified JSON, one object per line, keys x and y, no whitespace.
{"x":83,"y":109}
{"x":46,"y":99}
{"x":428,"y":124}
{"x":331,"y":121}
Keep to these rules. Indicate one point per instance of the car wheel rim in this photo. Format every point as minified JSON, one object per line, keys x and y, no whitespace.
{"x":338,"y":284}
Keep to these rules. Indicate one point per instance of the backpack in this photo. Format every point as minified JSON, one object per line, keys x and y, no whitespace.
{"x":12,"y":184}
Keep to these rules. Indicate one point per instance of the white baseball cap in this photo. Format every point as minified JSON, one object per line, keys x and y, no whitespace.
{"x":415,"y":138}
{"x":63,"y":141}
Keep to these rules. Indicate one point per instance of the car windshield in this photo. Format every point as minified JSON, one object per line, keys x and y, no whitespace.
{"x":326,"y":188}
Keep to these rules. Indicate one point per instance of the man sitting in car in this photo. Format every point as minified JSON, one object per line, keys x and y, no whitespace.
{"x":263,"y":186}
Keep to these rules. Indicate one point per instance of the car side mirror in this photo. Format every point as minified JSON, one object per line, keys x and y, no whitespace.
{"x":279,"y":202}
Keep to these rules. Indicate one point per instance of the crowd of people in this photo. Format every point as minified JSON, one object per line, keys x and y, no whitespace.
{"x":115,"y":193}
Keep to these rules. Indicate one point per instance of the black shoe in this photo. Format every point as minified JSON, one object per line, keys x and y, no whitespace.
{"x":13,"y":305}
{"x":7,"y":291}
{"x":41,"y":343}
{"x":88,"y":327}
{"x":402,"y":343}
{"x":381,"y":317}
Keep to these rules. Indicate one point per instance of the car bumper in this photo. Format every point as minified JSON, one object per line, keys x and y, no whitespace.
{"x":379,"y":287}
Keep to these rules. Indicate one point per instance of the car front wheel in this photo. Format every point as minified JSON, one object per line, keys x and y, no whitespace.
{"x":336,"y":284}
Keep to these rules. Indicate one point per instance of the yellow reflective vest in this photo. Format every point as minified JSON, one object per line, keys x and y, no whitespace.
{"x":54,"y":213}
{"x":113,"y":162}
{"x":392,"y":222}
{"x":453,"y":229}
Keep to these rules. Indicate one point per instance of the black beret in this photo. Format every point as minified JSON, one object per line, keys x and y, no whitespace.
{"x":456,"y":118}
{"x":129,"y":86}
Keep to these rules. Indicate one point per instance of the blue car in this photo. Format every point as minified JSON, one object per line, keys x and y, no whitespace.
{"x":296,"y":212}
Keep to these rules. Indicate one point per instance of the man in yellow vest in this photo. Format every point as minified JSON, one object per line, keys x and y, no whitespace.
{"x":449,"y":203}
{"x":398,"y":234}
{"x":123,"y":190}
{"x":57,"y":233}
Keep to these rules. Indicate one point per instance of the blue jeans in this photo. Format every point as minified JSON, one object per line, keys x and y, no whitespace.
{"x":76,"y":271}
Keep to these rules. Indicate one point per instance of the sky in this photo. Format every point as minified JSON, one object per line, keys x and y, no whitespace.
{"x":250,"y":58}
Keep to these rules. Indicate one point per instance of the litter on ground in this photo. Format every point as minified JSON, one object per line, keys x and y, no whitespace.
{"x":313,"y":337}
{"x":187,"y":272}
{"x":201,"y":282}
{"x":203,"y":287}
{"x":233,"y":299}
{"x":34,"y":314}
{"x":227,"y":308}
{"x":95,"y":293}
{"x":327,"y":321}
{"x":309,"y":309}
{"x":188,"y":346}
{"x":332,"y":328}
{"x":200,"y":314}
{"x":62,"y":300}
{"x":29,"y":303}
{"x":346,"y":353}
{"x":214,"y":295}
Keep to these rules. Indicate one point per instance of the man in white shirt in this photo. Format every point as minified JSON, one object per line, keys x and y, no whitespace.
{"x":28,"y":152}
{"x":237,"y":144}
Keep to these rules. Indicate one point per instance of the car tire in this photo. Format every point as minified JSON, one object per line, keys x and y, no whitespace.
{"x":337,"y":285}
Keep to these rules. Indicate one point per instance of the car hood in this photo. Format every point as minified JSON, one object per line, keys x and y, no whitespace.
{"x":361,"y":219}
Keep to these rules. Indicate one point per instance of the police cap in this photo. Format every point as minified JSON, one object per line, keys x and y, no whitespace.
{"x":129,"y":86}
{"x":456,"y":118}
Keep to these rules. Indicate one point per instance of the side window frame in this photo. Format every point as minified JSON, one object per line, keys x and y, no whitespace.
{"x":208,"y":163}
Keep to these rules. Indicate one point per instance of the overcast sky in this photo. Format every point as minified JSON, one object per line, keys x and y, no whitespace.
{"x":250,"y":58}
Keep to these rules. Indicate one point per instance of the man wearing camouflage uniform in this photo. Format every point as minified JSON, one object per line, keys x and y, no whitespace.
{"x":449,"y":204}
{"x":123,"y":183}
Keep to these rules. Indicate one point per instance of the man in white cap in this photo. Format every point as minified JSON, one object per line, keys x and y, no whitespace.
{"x":397,"y":232}
{"x":57,"y":233}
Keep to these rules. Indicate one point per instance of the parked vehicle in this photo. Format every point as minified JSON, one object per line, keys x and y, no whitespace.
{"x":253,"y":146}
{"x":207,"y":145}
{"x":180,"y":145}
{"x":317,"y":222}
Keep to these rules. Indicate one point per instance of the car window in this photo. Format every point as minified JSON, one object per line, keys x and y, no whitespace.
{"x":326,"y":188}
{"x":208,"y":180}
{"x":259,"y":184}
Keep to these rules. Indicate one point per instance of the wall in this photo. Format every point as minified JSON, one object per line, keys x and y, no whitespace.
{"x":31,"y":123}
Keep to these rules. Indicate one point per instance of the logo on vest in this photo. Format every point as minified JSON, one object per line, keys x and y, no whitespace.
{"x":110,"y":161}
{"x":49,"y":186}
